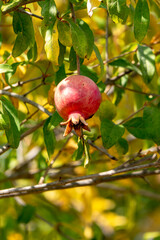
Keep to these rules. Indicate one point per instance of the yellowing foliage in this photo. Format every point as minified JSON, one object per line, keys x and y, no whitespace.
{"x":91,"y":5}
{"x":52,"y":46}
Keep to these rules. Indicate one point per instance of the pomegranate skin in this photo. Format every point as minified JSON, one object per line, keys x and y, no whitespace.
{"x":77,"y":94}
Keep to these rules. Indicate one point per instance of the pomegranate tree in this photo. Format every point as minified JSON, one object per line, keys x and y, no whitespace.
{"x":76,"y":98}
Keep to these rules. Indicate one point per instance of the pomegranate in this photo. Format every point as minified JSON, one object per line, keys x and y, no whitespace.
{"x":76,"y":98}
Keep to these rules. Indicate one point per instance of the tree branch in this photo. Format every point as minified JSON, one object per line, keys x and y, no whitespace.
{"x":88,"y":180}
{"x":124,"y":190}
{"x":29,"y":13}
{"x":10,"y":7}
{"x":102,"y":150}
{"x":136,"y":91}
{"x":4,"y":148}
{"x":21,"y":83}
{"x":53,"y":160}
{"x":26,"y":100}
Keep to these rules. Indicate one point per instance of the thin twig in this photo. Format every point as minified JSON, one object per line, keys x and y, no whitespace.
{"x":33,"y":89}
{"x":136,"y":91}
{"x":103,"y":150}
{"x":116,"y":57}
{"x":4,"y":148}
{"x":29,"y":13}
{"x":131,"y":115}
{"x":114,"y":79}
{"x":56,"y":226}
{"x":26,"y":100}
{"x":21,"y":83}
{"x":51,"y":163}
{"x":31,"y":115}
{"x":119,"y":189}
{"x":139,"y":110}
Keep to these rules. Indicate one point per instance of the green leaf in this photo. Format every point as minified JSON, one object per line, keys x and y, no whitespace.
{"x":13,"y":132}
{"x":23,"y":26}
{"x":60,"y":74}
{"x":98,"y":55}
{"x":93,"y":134}
{"x":55,"y":120}
{"x":122,"y":146}
{"x":118,"y":93}
{"x":118,"y":10}
{"x":26,"y":214}
{"x":0,"y":9}
{"x":125,"y":64}
{"x":8,"y":75}
{"x":89,"y":36}
{"x":4,"y":121}
{"x":64,"y":33}
{"x":5,"y":68}
{"x":79,"y":40}
{"x":102,"y":86}
{"x":62,"y":51}
{"x":146,"y":127}
{"x":49,"y":136}
{"x":141,"y":20}
{"x":111,"y":133}
{"x":49,"y":11}
{"x":107,"y":110}
{"x":78,"y":154}
{"x":88,"y":72}
{"x":136,"y":127}
{"x":146,"y":59}
{"x":151,"y":118}
{"x":32,"y":53}
{"x":73,"y":60}
{"x":20,"y":45}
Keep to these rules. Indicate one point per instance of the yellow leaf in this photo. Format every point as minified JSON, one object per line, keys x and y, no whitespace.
{"x":156,"y":38}
{"x":157,"y":2}
{"x":61,"y":5}
{"x":51,"y":45}
{"x":91,"y":5}
{"x":15,"y":102}
{"x":15,"y":236}
{"x":51,"y":94}
{"x":1,"y":84}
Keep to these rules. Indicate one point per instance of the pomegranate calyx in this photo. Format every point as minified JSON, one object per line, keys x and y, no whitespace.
{"x":76,"y":122}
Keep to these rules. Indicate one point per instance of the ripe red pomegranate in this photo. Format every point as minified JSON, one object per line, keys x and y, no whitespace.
{"x":76,"y":98}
